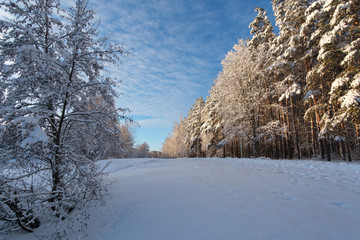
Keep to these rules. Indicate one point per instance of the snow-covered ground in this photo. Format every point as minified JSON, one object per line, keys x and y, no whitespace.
{"x":225,"y":199}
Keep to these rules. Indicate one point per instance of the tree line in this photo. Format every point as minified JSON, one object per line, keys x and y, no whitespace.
{"x":294,"y":94}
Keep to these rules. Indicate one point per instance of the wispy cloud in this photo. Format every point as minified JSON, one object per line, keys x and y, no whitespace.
{"x":177,"y":48}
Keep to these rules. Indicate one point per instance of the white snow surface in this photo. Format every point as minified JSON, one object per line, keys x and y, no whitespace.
{"x":218,"y":199}
{"x":351,"y":98}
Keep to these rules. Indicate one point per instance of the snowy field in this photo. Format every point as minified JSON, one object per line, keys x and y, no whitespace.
{"x":227,"y":199}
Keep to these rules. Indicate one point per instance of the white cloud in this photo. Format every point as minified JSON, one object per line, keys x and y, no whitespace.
{"x":177,"y":48}
{"x":156,"y":123}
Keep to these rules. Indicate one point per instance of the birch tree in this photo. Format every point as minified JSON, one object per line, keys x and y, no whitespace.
{"x":52,"y":85}
{"x":241,"y":95}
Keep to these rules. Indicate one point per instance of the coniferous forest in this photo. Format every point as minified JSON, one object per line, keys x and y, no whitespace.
{"x":293,"y":94}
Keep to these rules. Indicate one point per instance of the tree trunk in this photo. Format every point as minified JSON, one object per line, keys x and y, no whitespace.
{"x":241,"y":147}
{"x":277,"y":146}
{"x":357,"y":137}
{"x":24,"y":218}
{"x":343,"y":150}
{"x":327,"y":149}
{"x":313,"y":134}
{"x":295,"y":128}
{"x":322,"y":148}
{"x":288,"y":139}
{"x":348,"y":150}
{"x":284,"y":148}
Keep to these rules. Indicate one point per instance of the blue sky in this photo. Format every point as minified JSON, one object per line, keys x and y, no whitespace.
{"x":177,"y":47}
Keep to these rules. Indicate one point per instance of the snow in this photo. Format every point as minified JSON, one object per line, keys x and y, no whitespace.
{"x":294,"y":42}
{"x":327,"y":38}
{"x":311,"y":94}
{"x":328,"y":5}
{"x":338,"y":83}
{"x":294,"y":89}
{"x":338,"y":12}
{"x":36,"y":135}
{"x":312,"y":16}
{"x":350,"y":56}
{"x":207,"y":199}
{"x":289,"y":52}
{"x":351,"y":98}
{"x":356,"y":81}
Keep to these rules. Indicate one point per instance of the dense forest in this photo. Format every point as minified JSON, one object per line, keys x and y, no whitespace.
{"x":291,"y":94}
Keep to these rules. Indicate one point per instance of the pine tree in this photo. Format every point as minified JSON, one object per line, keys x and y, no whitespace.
{"x":193,"y":126}
{"x":211,"y":129}
{"x":288,"y":48}
{"x":345,"y":94}
{"x":332,"y":35}
{"x":297,"y":93}
{"x":260,"y":44}
{"x":261,"y":29}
